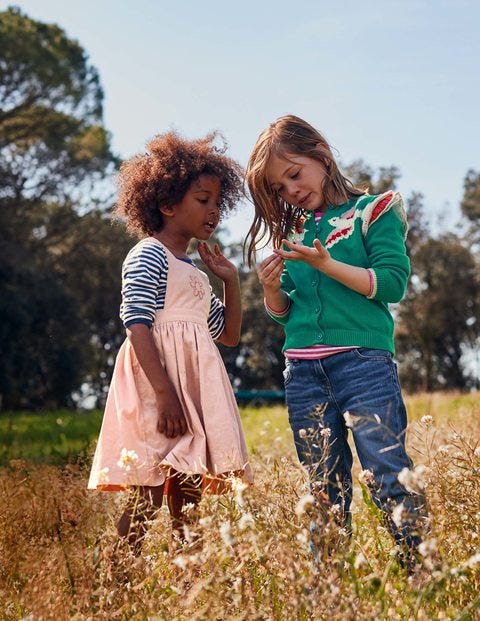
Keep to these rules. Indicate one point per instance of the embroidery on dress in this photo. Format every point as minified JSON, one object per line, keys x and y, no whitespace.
{"x":343,"y":225}
{"x":197,"y":286}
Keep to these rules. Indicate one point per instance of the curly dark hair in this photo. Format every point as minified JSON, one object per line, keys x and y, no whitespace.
{"x":163,"y":175}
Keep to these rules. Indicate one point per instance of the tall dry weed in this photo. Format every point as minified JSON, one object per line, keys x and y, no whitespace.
{"x":249,"y":555}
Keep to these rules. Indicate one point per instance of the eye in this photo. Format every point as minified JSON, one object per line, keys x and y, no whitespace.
{"x":295,"y":175}
{"x":203,"y":201}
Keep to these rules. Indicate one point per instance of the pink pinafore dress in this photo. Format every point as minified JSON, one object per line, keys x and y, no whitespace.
{"x":130,"y":449}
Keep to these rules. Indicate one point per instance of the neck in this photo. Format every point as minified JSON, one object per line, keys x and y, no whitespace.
{"x":175,"y":243}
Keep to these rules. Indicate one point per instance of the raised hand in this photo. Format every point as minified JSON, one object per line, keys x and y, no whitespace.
{"x":269,"y":272}
{"x":318,"y":256}
{"x":217,"y":262}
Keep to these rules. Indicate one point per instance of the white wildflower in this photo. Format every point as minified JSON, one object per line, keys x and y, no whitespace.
{"x":336,"y":509}
{"x":302,"y":433}
{"x":366,"y":477}
{"x":444,"y":448}
{"x":226,"y":533}
{"x":206,"y":522}
{"x":397,"y":515}
{"x":348,"y":419}
{"x":246,"y":521}
{"x":304,"y":537}
{"x":473,"y":560}
{"x":103,"y":477}
{"x":427,"y":420}
{"x":476,"y":452}
{"x":180,"y":561}
{"x":359,"y":560}
{"x":326,"y":432}
{"x":304,"y":504}
{"x":239,"y":487}
{"x":412,"y":480}
{"x":428,"y":547}
{"x":127,"y":459}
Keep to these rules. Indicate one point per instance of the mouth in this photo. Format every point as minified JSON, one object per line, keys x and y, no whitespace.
{"x":303,"y":200}
{"x":211,"y":225}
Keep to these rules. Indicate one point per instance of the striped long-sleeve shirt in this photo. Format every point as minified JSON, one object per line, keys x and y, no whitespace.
{"x":144,"y":285}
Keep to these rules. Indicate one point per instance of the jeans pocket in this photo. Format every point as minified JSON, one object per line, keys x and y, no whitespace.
{"x":365,"y":353}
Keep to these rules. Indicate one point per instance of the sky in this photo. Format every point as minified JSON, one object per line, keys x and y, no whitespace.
{"x":393,"y":82}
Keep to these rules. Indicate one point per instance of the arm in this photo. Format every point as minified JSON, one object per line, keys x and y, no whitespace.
{"x":144,"y":277}
{"x":389,"y":263}
{"x":269,"y":273}
{"x":171,"y":420}
{"x":219,"y":265}
{"x":353,"y":277}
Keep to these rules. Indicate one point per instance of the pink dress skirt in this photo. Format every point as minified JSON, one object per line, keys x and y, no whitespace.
{"x":130,"y":449}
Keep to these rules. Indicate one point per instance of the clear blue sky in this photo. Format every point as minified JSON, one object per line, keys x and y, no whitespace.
{"x":394,"y":82}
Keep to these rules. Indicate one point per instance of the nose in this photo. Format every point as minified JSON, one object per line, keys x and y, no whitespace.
{"x":291,"y":190}
{"x":214,"y":209}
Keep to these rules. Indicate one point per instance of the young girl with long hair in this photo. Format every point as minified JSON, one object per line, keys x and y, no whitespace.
{"x":339,"y":260}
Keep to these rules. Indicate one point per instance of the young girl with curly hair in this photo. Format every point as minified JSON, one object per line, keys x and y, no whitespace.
{"x":171,"y":425}
{"x":339,"y":259}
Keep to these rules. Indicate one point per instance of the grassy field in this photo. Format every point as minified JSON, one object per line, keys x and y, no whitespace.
{"x":59,"y":559}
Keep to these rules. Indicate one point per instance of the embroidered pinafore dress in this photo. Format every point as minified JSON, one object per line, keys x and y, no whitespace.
{"x":214,"y":444}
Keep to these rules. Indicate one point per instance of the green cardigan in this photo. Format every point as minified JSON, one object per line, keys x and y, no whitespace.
{"x":368,"y":231}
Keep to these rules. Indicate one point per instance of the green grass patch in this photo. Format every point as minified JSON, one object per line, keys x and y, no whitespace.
{"x":63,"y":436}
{"x":55,"y":437}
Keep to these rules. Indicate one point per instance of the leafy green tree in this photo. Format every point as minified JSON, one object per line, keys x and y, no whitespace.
{"x":54,"y":154}
{"x":437,"y":320}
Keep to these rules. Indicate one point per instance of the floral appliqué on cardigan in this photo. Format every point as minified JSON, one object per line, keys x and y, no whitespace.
{"x":298,"y":232}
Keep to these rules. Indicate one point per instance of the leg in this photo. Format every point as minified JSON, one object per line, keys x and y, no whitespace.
{"x":183,"y":490}
{"x":319,"y":431}
{"x":142,"y":507}
{"x":378,"y":420}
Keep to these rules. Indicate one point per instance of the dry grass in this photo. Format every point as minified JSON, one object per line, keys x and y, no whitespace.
{"x":59,"y":559}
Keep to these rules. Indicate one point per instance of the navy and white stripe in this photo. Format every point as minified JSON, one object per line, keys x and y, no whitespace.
{"x":144,"y":286}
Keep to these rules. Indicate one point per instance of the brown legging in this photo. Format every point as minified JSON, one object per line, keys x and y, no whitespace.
{"x":146,"y":501}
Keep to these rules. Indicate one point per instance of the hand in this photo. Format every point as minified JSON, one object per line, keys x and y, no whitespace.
{"x":318,"y":256}
{"x":216,"y":262}
{"x":171,"y":419}
{"x":269,"y":272}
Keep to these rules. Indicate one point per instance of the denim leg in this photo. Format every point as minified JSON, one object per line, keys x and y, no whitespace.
{"x":311,"y":409}
{"x":378,"y":420}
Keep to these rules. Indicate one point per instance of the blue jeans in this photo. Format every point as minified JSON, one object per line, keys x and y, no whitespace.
{"x":364,"y":383}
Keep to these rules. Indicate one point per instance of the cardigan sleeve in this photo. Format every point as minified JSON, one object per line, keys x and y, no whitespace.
{"x":287,"y":285}
{"x":390,"y":265}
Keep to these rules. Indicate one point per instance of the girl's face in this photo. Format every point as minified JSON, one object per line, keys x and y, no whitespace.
{"x":298,"y":180}
{"x":198,"y":213}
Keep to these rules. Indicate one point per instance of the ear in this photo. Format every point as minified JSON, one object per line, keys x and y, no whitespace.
{"x":167,"y":210}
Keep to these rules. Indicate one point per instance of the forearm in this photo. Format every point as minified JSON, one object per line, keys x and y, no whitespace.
{"x":145,"y":350}
{"x":276,"y":299}
{"x":232,"y":312}
{"x":353,"y":277}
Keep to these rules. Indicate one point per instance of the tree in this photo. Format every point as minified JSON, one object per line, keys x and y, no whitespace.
{"x":437,"y":320}
{"x":54,"y":153}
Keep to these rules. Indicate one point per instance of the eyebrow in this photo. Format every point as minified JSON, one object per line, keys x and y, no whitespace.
{"x":284,"y":173}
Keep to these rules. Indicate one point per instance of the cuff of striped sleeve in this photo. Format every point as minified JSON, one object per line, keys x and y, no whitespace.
{"x":145,"y":322}
{"x":373,"y":284}
{"x":275,"y":313}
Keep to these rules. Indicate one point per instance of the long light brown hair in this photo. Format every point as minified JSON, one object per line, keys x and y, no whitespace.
{"x":275,"y":218}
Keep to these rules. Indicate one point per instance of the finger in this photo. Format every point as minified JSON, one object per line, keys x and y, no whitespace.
{"x":271,"y":258}
{"x":161,"y":424}
{"x":217,"y":250}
